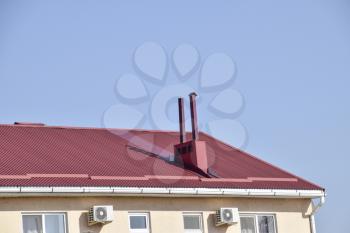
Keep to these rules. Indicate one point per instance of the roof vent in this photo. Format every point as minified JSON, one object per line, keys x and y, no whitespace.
{"x":29,"y":123}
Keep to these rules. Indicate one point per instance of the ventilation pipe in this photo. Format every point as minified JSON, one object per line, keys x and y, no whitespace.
{"x":194,"y":122}
{"x":192,"y":154}
{"x":182,"y":120}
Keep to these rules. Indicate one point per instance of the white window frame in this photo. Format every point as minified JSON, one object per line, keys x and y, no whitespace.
{"x":143,"y":214}
{"x":256,"y":221}
{"x":201,"y":230}
{"x":43,"y":214}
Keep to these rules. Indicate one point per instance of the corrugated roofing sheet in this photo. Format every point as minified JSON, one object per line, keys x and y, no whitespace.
{"x":67,"y":156}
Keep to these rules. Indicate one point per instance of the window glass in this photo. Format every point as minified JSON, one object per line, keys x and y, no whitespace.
{"x":248,"y":224}
{"x":32,"y":224}
{"x":138,"y":222}
{"x":54,"y":223}
{"x":266,"y":224}
{"x":192,"y":222}
{"x":44,"y":223}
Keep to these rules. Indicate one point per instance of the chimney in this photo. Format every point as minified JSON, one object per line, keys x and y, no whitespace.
{"x":182,"y":120}
{"x":192,"y":154}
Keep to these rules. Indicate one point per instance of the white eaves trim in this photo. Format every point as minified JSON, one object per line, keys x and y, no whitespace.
{"x":147,"y":191}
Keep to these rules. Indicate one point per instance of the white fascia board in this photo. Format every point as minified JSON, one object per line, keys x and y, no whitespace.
{"x":209,"y":191}
{"x":260,"y":192}
{"x":140,"y":191}
{"x":311,"y":193}
{"x":36,"y":189}
{"x":67,"y":190}
{"x":288,"y":193}
{"x":10,"y":189}
{"x":235,"y":192}
{"x":98,"y":190}
{"x":155,"y":190}
{"x":183,"y":191}
{"x":126,"y":190}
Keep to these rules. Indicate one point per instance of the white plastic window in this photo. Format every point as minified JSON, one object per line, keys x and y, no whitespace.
{"x":258,"y":224}
{"x":193,"y":222}
{"x":139,"y":223}
{"x":44,"y":223}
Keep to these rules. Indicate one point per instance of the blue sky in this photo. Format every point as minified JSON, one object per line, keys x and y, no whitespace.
{"x":60,"y":60}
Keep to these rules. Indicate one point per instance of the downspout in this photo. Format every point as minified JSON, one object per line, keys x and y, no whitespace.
{"x":312,"y":215}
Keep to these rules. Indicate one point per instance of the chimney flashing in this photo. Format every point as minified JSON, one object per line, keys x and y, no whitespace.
{"x":192,"y":154}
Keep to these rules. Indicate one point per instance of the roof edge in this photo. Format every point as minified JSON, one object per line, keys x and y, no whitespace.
{"x":158,"y":192}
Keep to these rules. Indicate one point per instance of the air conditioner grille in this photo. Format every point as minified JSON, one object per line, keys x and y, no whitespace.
{"x":100,"y":214}
{"x":226,"y":216}
{"x":91,"y":215}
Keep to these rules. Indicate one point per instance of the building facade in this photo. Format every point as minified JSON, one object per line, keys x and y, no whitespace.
{"x":161,"y":214}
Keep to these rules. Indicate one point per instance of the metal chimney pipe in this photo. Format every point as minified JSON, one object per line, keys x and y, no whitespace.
{"x":194,"y":121}
{"x":182,"y":120}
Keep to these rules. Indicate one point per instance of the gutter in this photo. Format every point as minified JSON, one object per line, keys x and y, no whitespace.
{"x":312,"y":215}
{"x":164,"y":192}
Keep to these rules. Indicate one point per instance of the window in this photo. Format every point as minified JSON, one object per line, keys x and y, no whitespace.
{"x":248,"y":224}
{"x":258,"y":224}
{"x":44,"y":223}
{"x":192,"y":223}
{"x":138,"y":223}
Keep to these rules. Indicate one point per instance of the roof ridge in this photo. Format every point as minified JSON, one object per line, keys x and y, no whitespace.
{"x":88,"y":127}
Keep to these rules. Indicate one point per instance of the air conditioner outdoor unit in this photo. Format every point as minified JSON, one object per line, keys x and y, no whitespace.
{"x":100,"y":214}
{"x":226,"y":216}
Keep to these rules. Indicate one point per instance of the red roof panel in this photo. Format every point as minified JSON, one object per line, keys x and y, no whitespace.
{"x":32,"y":155}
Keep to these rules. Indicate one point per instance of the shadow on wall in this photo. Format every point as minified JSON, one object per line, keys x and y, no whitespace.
{"x":212,"y":227}
{"x":83,"y":225}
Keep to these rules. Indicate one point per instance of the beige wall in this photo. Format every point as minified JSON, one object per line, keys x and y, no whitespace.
{"x":165,"y":213}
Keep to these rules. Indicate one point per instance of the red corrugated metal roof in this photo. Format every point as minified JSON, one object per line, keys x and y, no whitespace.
{"x":33,"y":155}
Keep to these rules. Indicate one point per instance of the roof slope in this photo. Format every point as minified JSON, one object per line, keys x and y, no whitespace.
{"x":67,"y":156}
